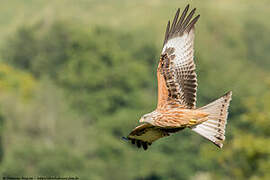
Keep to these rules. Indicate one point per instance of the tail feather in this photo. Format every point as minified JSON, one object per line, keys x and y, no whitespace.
{"x":214,"y":128}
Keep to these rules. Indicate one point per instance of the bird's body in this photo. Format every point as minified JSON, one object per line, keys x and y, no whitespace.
{"x":168,"y":117}
{"x":177,"y":87}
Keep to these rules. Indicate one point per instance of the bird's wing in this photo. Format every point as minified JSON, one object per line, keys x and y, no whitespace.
{"x":177,"y":81}
{"x":144,"y":134}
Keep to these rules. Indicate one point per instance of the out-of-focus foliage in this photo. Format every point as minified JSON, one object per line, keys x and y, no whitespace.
{"x":16,"y":81}
{"x":70,"y":91}
{"x":101,"y":70}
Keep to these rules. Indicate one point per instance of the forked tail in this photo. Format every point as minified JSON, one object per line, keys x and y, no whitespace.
{"x":214,"y":128}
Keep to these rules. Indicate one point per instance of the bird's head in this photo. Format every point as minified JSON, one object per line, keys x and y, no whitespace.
{"x":147,"y":118}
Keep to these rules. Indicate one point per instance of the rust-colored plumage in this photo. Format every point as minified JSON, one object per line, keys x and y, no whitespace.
{"x":177,"y":88}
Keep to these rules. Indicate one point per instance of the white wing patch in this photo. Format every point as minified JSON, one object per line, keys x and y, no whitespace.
{"x":183,"y":67}
{"x":183,"y":49}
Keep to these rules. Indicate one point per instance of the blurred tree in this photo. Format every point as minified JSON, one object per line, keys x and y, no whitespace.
{"x":257,"y":40}
{"x":13,"y":82}
{"x":107,"y":78}
{"x":97,"y":68}
{"x":1,"y":136}
{"x":16,"y":81}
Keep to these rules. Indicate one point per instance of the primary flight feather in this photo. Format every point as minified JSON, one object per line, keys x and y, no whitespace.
{"x":177,"y":88}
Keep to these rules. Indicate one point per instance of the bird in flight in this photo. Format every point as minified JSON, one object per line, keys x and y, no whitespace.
{"x":177,"y":87}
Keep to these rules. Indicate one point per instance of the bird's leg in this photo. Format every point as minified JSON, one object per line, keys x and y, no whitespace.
{"x":192,"y":122}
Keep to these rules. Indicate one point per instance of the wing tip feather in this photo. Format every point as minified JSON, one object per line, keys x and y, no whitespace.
{"x":182,"y":24}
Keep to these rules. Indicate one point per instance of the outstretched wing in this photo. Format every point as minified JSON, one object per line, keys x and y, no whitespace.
{"x":177,"y":80}
{"x":144,"y":134}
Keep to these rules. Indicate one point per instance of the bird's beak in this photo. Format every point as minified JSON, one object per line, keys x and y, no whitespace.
{"x":141,"y":120}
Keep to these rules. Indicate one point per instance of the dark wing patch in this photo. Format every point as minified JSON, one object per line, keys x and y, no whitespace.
{"x":188,"y":83}
{"x":143,"y":135}
{"x":180,"y":25}
{"x":169,"y":74}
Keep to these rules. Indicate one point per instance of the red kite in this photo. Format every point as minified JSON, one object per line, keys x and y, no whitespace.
{"x":177,"y":87}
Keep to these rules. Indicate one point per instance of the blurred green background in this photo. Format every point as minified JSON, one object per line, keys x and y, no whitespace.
{"x":75,"y":76}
